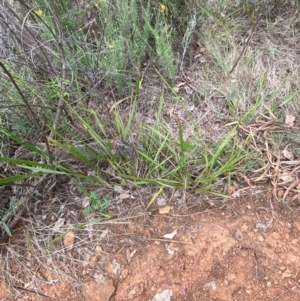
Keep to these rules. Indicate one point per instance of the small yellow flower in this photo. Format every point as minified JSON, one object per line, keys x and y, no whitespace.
{"x":111,"y":46}
{"x":39,"y":12}
{"x":105,"y":20}
{"x":96,"y":4}
{"x":162,"y":7}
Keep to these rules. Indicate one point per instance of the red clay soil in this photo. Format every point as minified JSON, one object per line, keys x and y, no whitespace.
{"x":208,"y":259}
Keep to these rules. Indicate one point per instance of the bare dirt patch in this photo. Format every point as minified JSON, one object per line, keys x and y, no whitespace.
{"x":215,"y":260}
{"x":206,"y":256}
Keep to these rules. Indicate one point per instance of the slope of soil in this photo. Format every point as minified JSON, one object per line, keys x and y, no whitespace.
{"x":208,"y":257}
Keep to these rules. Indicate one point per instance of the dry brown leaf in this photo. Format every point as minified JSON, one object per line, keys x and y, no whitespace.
{"x":130,"y":255}
{"x":294,"y":184}
{"x":118,"y":189}
{"x":286,"y":274}
{"x":231,"y":190}
{"x":286,"y":177}
{"x":103,"y":234}
{"x":165,"y":210}
{"x":290,"y":119}
{"x":60,"y":222}
{"x":201,"y":58}
{"x":69,"y":239}
{"x":236,"y":194}
{"x":188,"y":90}
{"x":86,"y":202}
{"x":244,"y":227}
{"x":176,"y":88}
{"x":161,"y":202}
{"x":280,"y":193}
{"x":238,"y":234}
{"x":98,"y":250}
{"x":123,"y":196}
{"x":287,"y":154}
{"x":118,"y":102}
{"x":270,"y":113}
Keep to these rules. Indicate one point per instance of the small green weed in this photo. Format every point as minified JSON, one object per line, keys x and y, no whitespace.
{"x":7,"y":214}
{"x":97,"y":205}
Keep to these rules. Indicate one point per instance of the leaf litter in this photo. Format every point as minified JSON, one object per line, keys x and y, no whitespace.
{"x":277,"y":163}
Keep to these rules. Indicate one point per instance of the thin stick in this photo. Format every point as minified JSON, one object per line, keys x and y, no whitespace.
{"x":64,"y":68}
{"x":245,"y":46}
{"x":35,"y":117}
{"x":171,"y":240}
{"x":117,"y":103}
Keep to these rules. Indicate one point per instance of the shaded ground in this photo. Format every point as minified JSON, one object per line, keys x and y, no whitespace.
{"x":213,"y":256}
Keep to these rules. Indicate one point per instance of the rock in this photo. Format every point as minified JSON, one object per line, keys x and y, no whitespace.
{"x":163,"y":296}
{"x":286,"y":274}
{"x":99,"y":291}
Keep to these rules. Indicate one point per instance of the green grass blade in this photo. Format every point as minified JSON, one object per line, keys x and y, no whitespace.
{"x":17,"y":178}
